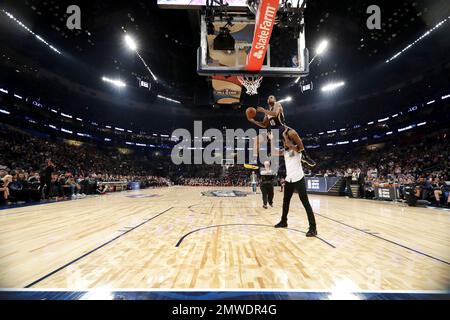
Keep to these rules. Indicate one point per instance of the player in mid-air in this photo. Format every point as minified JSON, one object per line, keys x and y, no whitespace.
{"x":274,"y":119}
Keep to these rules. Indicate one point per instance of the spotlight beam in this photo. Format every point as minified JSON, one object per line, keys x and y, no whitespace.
{"x":115,"y":82}
{"x":320,"y":49}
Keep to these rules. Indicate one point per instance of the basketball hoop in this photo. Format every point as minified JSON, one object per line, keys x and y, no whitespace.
{"x":251,"y":83}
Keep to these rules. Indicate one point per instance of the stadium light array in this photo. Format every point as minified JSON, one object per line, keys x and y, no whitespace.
{"x":332,"y":86}
{"x":426,"y":34}
{"x":31,"y":31}
{"x":445,"y":97}
{"x":116,"y":82}
{"x":133,"y":46}
{"x":168,"y":99}
{"x":130,"y":43}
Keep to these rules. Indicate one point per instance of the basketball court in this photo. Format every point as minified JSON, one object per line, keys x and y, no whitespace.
{"x":178,"y":239}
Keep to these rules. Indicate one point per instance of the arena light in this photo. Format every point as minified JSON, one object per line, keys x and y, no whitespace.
{"x":53,"y":127}
{"x":119,"y":129}
{"x":66,"y":131}
{"x":356,"y":140}
{"x":405,"y":128}
{"x":141,"y":144}
{"x":84,"y":135}
{"x":443,"y":97}
{"x":322,"y":47}
{"x":389,"y":133}
{"x":66,"y":115}
{"x":343,"y":142}
{"x":133,"y":46}
{"x":4,"y":111}
{"x":431,"y":102}
{"x":54,"y":111}
{"x":426,"y":34}
{"x":115,"y":82}
{"x":18,"y":97}
{"x":370,"y":123}
{"x":421,"y":124}
{"x":30,"y":31}
{"x":383,"y":120}
{"x":168,"y":99}
{"x":342,"y":130}
{"x":332,"y":131}
{"x":4,"y":90}
{"x":79,"y":119}
{"x":107,"y":139}
{"x":395,"y":115}
{"x":321,"y":133}
{"x":332,"y":86}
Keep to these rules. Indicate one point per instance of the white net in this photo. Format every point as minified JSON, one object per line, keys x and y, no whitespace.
{"x":251,"y":83}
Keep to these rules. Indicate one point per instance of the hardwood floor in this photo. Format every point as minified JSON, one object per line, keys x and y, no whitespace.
{"x":177,"y":238}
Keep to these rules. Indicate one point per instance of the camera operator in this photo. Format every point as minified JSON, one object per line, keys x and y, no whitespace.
{"x":46,"y":178}
{"x":441,"y":192}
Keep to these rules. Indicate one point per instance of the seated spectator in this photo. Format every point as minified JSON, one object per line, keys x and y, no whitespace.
{"x":4,"y":189}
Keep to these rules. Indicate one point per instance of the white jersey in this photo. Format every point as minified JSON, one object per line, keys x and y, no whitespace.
{"x":294,"y":169}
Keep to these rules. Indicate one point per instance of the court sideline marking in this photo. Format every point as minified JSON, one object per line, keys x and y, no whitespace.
{"x":95,"y":249}
{"x":243,"y":224}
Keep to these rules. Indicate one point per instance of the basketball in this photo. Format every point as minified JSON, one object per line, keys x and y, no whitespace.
{"x":250,"y":113}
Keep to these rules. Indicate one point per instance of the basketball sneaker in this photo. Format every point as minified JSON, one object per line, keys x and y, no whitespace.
{"x":306,"y":159}
{"x":281,"y":224}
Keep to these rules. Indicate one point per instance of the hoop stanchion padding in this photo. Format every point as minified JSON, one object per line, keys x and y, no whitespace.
{"x":251,"y":83}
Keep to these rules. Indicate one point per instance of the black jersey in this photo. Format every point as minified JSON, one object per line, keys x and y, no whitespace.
{"x":277,"y":122}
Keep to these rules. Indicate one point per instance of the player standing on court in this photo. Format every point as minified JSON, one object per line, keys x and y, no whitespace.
{"x":274,"y":119}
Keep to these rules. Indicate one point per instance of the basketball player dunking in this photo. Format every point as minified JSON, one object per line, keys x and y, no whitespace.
{"x":274,"y":119}
{"x":294,"y":181}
